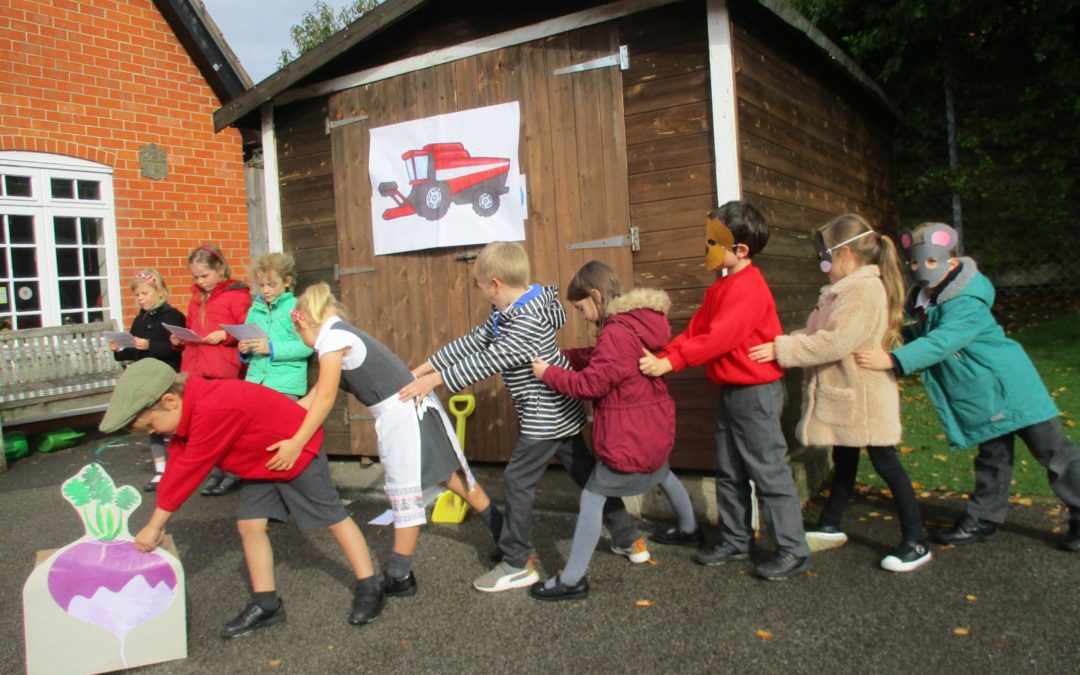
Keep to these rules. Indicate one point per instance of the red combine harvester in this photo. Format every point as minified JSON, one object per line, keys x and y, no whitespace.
{"x":445,"y":173}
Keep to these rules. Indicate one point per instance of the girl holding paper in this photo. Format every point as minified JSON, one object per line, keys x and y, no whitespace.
{"x":280,"y":360}
{"x":152,"y":341}
{"x":215,"y":299}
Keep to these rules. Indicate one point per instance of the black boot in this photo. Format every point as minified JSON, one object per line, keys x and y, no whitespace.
{"x":368,"y":598}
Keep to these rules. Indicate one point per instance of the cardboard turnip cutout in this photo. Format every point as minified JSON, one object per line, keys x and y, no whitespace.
{"x":103,"y":580}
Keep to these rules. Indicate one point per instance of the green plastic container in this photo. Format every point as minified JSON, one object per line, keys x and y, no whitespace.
{"x":59,"y":439}
{"x":16,"y":446}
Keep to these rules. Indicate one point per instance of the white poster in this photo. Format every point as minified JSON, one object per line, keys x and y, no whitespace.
{"x":448,"y":180}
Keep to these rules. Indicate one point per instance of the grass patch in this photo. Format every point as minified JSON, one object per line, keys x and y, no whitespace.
{"x":1054,"y":347}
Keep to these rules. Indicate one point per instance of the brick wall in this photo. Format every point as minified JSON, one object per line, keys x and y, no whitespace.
{"x":98,"y":79}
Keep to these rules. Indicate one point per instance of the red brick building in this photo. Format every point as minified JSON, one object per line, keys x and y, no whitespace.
{"x":109,"y":161}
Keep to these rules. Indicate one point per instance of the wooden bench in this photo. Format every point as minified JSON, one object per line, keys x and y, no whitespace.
{"x":49,"y":373}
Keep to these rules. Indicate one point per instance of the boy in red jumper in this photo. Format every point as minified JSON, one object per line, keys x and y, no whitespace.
{"x":231,"y":423}
{"x":738,"y":312}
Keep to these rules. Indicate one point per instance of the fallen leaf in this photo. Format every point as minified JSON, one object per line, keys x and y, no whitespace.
{"x":404,"y":643}
{"x":941,"y":458}
{"x":643,"y":603}
{"x":763,"y":634}
{"x":874,"y":514}
{"x":274,"y":663}
{"x":961,"y":631}
{"x":329,"y":648}
{"x":905,"y":450}
{"x":971,"y":598}
{"x":652,"y":562}
{"x":916,"y":485}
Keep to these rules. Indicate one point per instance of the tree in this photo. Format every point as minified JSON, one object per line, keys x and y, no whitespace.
{"x":319,"y":23}
{"x":1012,"y":72}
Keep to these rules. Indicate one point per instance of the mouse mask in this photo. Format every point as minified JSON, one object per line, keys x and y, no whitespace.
{"x":718,"y":241}
{"x":938,"y":241}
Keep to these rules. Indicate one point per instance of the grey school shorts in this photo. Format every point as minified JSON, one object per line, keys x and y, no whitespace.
{"x":310,"y":498}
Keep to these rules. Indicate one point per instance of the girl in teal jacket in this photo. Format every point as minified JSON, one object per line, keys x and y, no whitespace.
{"x":281,"y":361}
{"x":982,"y":384}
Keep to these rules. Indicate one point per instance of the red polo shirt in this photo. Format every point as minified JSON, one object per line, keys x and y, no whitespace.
{"x":230,"y":423}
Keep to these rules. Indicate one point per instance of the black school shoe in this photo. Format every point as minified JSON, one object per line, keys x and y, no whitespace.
{"x":1071,"y":542}
{"x":211,"y":484}
{"x":253,"y":618}
{"x":560,"y":591}
{"x":673,"y":536}
{"x":229,"y":483}
{"x":720,"y":554}
{"x":368,"y":600}
{"x":782,"y":566}
{"x":398,"y":588}
{"x":968,"y":530}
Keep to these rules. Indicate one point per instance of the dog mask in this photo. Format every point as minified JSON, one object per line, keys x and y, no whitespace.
{"x":718,"y":241}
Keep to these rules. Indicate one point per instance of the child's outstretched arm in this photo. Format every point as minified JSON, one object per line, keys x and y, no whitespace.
{"x":320,"y":400}
{"x":962,"y":319}
{"x":851,"y":323}
{"x":726,"y":331}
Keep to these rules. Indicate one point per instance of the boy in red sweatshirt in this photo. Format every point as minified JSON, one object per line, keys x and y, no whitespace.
{"x":738,"y":313}
{"x":231,"y":423}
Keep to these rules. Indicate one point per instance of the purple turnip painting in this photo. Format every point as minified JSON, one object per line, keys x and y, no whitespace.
{"x":103,"y":579}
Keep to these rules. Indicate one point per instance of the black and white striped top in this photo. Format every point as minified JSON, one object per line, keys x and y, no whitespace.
{"x":506,"y":343}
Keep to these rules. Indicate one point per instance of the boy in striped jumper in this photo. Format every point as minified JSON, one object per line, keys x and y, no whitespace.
{"x":521,"y":326}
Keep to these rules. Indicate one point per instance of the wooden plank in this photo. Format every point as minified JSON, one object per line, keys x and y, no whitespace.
{"x":667,"y":92}
{"x":302,"y":190}
{"x":665,"y":29}
{"x":691,"y":118}
{"x":658,"y":65}
{"x":669,"y":153}
{"x":315,"y":235}
{"x":305,"y":166}
{"x":665,"y":214}
{"x":307,"y":213}
{"x":683,"y":181}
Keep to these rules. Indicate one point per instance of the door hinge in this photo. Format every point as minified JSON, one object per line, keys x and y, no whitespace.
{"x":632,"y":240}
{"x":346,"y":271}
{"x":622,"y":60}
{"x":330,"y":125}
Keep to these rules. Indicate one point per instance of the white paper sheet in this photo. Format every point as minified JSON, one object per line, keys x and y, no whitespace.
{"x":123,"y":339}
{"x":245,"y":331}
{"x":185,"y":334}
{"x":384,"y":518}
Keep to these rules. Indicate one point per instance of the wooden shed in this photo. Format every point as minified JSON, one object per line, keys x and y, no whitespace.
{"x":717,"y":100}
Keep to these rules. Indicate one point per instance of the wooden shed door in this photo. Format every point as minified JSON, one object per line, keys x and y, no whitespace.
{"x":573,"y":152}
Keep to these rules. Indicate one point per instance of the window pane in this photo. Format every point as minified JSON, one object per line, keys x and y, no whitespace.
{"x":21,"y":229}
{"x":6,"y":296}
{"x":93,"y":232}
{"x":93,"y":262}
{"x":67,"y":262}
{"x":3,"y":266}
{"x":23,"y":262}
{"x":89,"y":189}
{"x":26,"y":296}
{"x":72,"y":318}
{"x":3,"y":228}
{"x":71,"y":295}
{"x":65,"y":230}
{"x":95,"y":316}
{"x":5,"y":323}
{"x":94,"y":293}
{"x":63,"y":188}
{"x":17,"y":186}
{"x":28,"y":321}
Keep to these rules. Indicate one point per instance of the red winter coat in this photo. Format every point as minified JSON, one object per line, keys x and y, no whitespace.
{"x":633,"y":415}
{"x":229,"y":302}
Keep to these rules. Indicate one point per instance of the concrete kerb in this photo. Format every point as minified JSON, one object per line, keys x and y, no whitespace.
{"x":556,"y":492}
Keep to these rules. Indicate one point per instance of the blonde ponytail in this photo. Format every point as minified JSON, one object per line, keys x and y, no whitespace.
{"x":317,"y":304}
{"x":892,"y":277}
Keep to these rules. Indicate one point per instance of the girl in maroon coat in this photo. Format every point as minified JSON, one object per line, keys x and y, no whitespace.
{"x":215,"y":300}
{"x":633,"y":415}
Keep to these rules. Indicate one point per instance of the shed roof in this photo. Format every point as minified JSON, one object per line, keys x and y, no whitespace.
{"x":203,"y":41}
{"x":332,"y":57}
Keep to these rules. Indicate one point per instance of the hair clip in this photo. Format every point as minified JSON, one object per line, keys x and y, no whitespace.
{"x":147,"y":277}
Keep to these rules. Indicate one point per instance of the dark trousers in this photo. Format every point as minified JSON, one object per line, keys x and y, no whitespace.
{"x":887,"y":464}
{"x":994,"y":463}
{"x":528,"y":463}
{"x":750,"y":445}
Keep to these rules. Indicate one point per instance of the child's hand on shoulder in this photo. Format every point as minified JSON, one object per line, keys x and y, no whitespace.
{"x":287,"y":452}
{"x":539,"y":367}
{"x":763,"y":353}
{"x":873,"y":359}
{"x":652,"y":366}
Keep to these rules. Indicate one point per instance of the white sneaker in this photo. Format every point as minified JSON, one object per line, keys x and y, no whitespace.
{"x":504,"y":577}
{"x":636,"y":551}
{"x":910,"y":556}
{"x":824,"y":538}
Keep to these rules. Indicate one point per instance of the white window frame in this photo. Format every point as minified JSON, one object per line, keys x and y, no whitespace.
{"x":42,"y":167}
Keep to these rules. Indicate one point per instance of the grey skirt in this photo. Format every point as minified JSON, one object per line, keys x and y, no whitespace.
{"x":611,"y":483}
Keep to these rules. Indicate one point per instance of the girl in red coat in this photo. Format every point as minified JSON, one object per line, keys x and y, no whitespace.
{"x":633,"y":415}
{"x":215,"y":300}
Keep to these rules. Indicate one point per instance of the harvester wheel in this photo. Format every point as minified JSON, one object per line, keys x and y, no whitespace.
{"x":431,"y":200}
{"x":485,"y":202}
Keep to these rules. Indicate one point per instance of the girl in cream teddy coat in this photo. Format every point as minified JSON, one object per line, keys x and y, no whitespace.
{"x":844,"y":405}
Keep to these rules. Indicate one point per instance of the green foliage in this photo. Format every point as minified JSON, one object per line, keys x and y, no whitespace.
{"x":1014,"y":70}
{"x":103,"y":508}
{"x":127,"y":498}
{"x":77,"y":493}
{"x":319,"y":23}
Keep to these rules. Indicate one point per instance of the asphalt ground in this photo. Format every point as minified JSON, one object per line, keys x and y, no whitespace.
{"x":1006,"y":606}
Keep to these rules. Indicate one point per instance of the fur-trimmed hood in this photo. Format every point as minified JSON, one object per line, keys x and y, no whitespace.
{"x":640,"y":298}
{"x":643,"y":312}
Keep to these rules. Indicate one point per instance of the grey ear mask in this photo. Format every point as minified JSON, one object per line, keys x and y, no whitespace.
{"x":938,"y":240}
